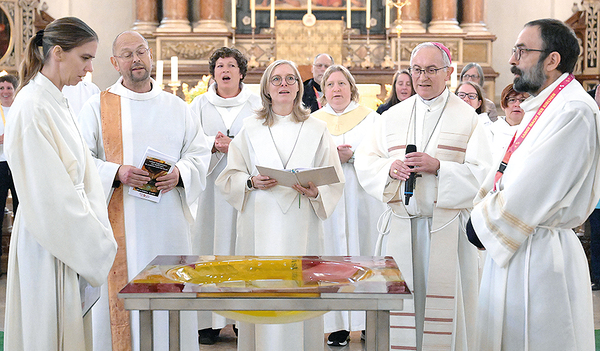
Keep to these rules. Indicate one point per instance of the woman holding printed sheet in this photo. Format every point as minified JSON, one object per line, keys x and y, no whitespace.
{"x":273,"y":219}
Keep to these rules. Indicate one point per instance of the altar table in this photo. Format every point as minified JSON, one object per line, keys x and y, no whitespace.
{"x":267,"y":283}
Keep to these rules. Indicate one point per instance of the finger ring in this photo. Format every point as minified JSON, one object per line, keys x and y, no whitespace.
{"x":395,"y":171}
{"x":263,"y":186}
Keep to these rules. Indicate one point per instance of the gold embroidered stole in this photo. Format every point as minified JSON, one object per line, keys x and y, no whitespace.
{"x":339,"y":125}
{"x":110,"y":113}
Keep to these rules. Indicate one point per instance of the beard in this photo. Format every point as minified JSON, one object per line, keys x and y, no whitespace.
{"x":529,"y":81}
{"x":138,"y":79}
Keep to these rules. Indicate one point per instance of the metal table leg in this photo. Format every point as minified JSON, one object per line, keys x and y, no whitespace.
{"x":174,"y":330}
{"x":146,"y":331}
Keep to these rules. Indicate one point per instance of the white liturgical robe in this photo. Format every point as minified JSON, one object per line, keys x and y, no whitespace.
{"x":426,"y":237}
{"x":61,"y":229}
{"x":279,"y":221}
{"x":164,"y":122}
{"x":535,"y":290}
{"x":213,"y":232}
{"x":351,"y":230}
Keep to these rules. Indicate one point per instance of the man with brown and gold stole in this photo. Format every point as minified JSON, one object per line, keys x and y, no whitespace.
{"x":119,"y":125}
{"x":425,"y":232}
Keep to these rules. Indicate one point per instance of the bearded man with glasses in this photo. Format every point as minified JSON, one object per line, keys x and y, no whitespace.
{"x":424,"y":231}
{"x":119,"y":125}
{"x":535,"y":290}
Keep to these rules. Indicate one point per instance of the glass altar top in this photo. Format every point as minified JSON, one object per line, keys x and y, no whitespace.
{"x":294,"y":276}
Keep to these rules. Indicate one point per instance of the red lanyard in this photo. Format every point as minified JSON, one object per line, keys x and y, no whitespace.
{"x":317,"y":96}
{"x":516,"y":141}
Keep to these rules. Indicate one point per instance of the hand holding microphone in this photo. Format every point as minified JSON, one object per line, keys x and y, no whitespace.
{"x":409,"y":185}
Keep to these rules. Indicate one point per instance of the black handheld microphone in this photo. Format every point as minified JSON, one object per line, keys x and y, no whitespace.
{"x":409,"y":184}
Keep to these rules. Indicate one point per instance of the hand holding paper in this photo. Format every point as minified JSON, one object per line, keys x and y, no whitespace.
{"x":311,"y":191}
{"x":169,"y":181}
{"x":132,"y":176}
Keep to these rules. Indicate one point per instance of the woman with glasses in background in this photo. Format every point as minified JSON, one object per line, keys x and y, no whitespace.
{"x":274,"y":219}
{"x":472,"y":72}
{"x":505,"y":127}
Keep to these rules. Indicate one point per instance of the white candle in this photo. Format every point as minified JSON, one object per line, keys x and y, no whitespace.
{"x":368,"y":14}
{"x":272,"y":13}
{"x":387,"y":15}
{"x":159,"y":72}
{"x":309,"y":5}
{"x":253,"y":13}
{"x":454,"y":77}
{"x":348,"y":14}
{"x":233,"y":13}
{"x":174,"y":70}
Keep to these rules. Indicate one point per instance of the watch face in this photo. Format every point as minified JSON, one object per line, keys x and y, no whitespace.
{"x":249,"y":183}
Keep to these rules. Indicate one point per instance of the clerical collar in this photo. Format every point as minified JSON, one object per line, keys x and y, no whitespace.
{"x":432,"y":101}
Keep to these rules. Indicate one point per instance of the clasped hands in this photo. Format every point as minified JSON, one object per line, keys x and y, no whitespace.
{"x":221,"y":143}
{"x":420,"y":161}
{"x":263,"y":182}
{"x":136,"y":178}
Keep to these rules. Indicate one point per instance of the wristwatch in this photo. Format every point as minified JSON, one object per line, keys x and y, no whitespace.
{"x":249,"y":183}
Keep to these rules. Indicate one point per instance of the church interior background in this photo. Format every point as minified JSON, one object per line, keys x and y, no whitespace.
{"x":373,"y":38}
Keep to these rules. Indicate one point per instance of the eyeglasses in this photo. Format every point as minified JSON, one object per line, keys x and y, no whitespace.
{"x":517,"y":51}
{"x":471,"y":96}
{"x":512,"y":100}
{"x":289,"y":80}
{"x":128,"y":55}
{"x":321,"y":65}
{"x":416,"y":71}
{"x":471,"y":76}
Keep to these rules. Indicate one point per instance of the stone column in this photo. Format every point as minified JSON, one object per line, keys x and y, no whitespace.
{"x":175,"y":17}
{"x":411,"y":18}
{"x":443,"y":17}
{"x":473,"y":14}
{"x":211,"y":16}
{"x":145,"y":16}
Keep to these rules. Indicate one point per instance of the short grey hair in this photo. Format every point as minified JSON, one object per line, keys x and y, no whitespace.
{"x":468,"y":66}
{"x":429,"y":44}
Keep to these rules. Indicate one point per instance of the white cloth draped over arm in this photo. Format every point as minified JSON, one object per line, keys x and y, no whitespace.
{"x":373,"y":162}
{"x":458,"y":183}
{"x":542,"y":191}
{"x":46,"y":173}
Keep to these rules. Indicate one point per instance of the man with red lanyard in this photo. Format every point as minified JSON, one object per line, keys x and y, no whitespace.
{"x":312,"y":87}
{"x":535,"y":292}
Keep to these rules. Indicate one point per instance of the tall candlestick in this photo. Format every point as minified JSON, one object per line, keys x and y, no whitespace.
{"x":233,"y":13}
{"x":272,"y":13}
{"x":368,"y":14}
{"x":387,"y":15}
{"x":309,"y":6}
{"x":159,"y":72}
{"x":253,"y":13}
{"x":348,"y":14}
{"x":174,"y":69}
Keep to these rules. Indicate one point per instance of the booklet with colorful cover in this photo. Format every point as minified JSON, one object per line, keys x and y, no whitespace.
{"x":157,"y":165}
{"x":288,"y":177}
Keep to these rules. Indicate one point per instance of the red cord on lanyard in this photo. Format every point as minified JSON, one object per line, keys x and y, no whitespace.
{"x":516,"y":141}
{"x":317,"y":95}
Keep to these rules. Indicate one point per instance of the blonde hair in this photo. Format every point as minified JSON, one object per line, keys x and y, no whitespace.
{"x":354,"y":96}
{"x":299,"y":112}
